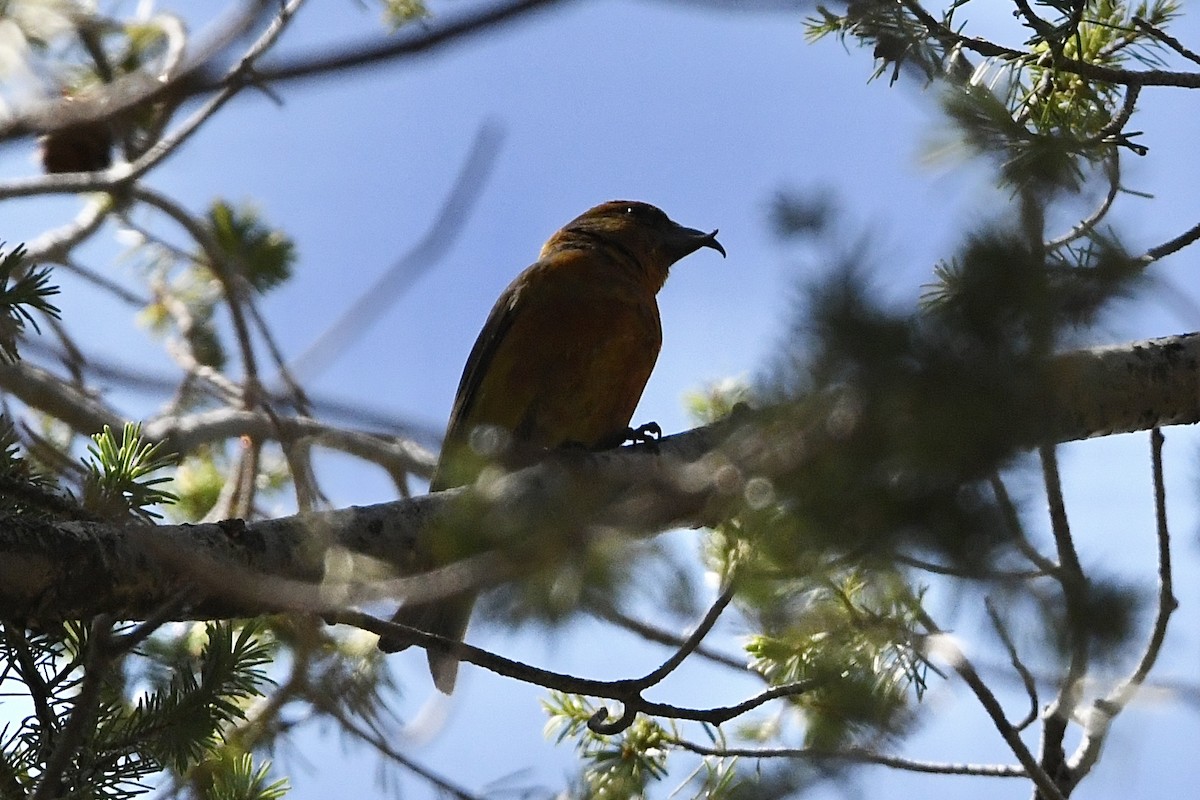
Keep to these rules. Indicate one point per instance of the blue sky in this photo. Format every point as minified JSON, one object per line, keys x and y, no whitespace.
{"x":705,"y":113}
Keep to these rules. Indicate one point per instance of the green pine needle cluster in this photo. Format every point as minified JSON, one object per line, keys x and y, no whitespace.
{"x":141,"y":726}
{"x":116,"y":486}
{"x":23,"y":291}
{"x":1026,"y":105}
{"x":263,"y":256}
{"x":241,"y":779}
{"x":849,"y":634}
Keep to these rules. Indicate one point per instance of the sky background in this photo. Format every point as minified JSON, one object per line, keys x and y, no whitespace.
{"x":707,"y":113}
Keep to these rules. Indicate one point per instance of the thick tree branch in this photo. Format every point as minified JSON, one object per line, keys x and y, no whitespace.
{"x":65,"y":570}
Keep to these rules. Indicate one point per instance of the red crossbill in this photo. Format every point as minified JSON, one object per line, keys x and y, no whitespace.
{"x":561,"y":361}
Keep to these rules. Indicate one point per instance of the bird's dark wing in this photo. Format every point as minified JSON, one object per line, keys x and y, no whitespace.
{"x":499,"y":321}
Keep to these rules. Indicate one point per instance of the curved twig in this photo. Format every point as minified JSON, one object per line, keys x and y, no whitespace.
{"x":1105,"y":709}
{"x":392,"y":284}
{"x":1018,"y":665}
{"x":626,"y":692}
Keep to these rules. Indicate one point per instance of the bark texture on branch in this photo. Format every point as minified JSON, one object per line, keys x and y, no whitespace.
{"x":63,"y":570}
{"x":1128,"y":387}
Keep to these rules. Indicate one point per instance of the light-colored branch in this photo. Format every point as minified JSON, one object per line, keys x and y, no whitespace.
{"x":40,"y":389}
{"x":690,"y":480}
{"x":119,"y":175}
{"x":56,"y":244}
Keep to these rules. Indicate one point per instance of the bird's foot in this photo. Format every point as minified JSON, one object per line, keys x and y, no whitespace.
{"x":647,"y":434}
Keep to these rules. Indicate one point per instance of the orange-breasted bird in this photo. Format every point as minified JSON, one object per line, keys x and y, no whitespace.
{"x":561,"y":361}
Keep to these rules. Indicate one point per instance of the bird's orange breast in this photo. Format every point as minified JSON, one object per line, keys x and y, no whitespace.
{"x":573,"y":361}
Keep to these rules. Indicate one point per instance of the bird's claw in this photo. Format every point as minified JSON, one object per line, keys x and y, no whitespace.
{"x":649,"y":433}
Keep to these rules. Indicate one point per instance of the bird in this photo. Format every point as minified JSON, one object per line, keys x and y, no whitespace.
{"x":561,"y":361}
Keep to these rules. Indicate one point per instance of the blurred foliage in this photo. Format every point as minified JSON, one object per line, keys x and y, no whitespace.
{"x":397,"y":13}
{"x":264,"y":257}
{"x":851,"y":634}
{"x":197,"y":484}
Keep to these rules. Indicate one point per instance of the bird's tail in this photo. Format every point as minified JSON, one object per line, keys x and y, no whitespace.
{"x":446,"y":617}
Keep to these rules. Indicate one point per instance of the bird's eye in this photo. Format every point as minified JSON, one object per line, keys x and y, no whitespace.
{"x":628,"y":209}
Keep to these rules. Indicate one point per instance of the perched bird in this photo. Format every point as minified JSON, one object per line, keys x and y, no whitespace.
{"x":561,"y":361}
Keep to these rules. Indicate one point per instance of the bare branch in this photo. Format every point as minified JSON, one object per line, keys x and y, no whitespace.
{"x":1173,"y":246}
{"x":1167,"y":39}
{"x":693,"y":641}
{"x":962,"y":665}
{"x":1017,"y":530}
{"x":692,"y":480}
{"x":56,"y":244}
{"x":856,"y":755}
{"x":1027,"y":679}
{"x":1074,"y":588}
{"x":406,"y":44}
{"x":628,"y":692}
{"x":1105,"y":709}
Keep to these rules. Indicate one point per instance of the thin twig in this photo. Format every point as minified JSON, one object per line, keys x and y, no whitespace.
{"x":367,"y":54}
{"x":1172,"y":246}
{"x":1074,"y":588}
{"x":1089,"y":223}
{"x":973,"y":572}
{"x":100,"y":281}
{"x":1106,"y":709}
{"x":1026,"y":676}
{"x":294,"y":390}
{"x":653,"y":633}
{"x":232,"y":286}
{"x":381,"y":745}
{"x":693,"y":641}
{"x":238,"y":78}
{"x":28,"y":672}
{"x":987,"y":698}
{"x":1013,"y":520}
{"x":856,"y":755}
{"x":627,"y":692}
{"x":395,"y":281}
{"x":1167,"y":39}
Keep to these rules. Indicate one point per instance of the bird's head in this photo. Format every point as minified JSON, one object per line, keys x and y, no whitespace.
{"x":641,"y":232}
